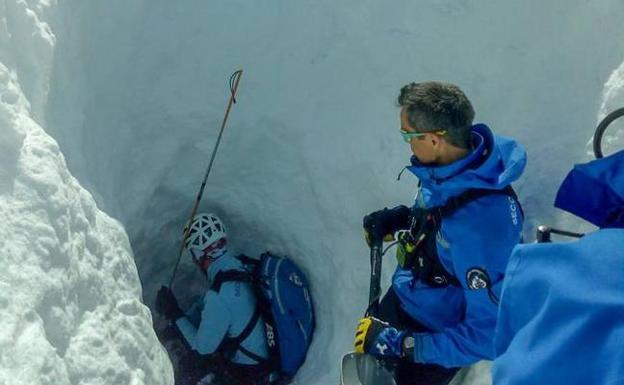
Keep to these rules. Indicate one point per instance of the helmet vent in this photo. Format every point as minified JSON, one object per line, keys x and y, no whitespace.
{"x":205,"y":229}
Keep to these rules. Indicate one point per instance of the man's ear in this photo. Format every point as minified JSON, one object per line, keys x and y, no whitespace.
{"x":434,"y":140}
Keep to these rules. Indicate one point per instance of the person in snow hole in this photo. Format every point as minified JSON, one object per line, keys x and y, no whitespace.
{"x":223,"y":333}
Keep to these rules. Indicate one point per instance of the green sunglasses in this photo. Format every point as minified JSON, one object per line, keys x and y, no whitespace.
{"x":407,"y":136}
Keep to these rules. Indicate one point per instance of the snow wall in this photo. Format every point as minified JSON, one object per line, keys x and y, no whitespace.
{"x":71,"y":310}
{"x":133,"y":93}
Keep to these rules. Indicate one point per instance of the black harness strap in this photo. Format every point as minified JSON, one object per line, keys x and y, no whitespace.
{"x":454,"y":203}
{"x":228,"y":276}
{"x":425,"y":225}
{"x":237,"y":341}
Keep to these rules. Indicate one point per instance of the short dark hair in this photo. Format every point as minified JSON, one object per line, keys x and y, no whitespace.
{"x":435,"y":106}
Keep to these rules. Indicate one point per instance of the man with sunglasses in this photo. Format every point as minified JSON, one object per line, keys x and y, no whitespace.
{"x":453,"y":243}
{"x":211,"y":326}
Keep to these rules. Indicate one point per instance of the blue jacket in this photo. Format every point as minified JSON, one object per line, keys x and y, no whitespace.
{"x":481,"y":234}
{"x":224,"y":314}
{"x":562,"y":313}
{"x":594,"y":191}
{"x":561,"y":318}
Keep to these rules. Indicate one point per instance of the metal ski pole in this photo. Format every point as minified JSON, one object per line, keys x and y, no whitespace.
{"x":234,"y":81}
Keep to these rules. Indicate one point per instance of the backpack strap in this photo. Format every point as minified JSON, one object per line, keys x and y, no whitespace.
{"x":454,"y":203}
{"x":248,"y":260}
{"x":234,"y":344}
{"x":229,"y":276}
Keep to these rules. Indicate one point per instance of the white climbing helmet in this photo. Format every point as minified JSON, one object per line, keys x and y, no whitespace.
{"x":206,"y":229}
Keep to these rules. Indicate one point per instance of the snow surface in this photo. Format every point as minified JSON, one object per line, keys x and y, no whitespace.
{"x":133,"y":91}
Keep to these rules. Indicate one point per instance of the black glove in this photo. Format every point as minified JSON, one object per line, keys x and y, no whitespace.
{"x":169,"y":333}
{"x":167,"y":305}
{"x":382,"y":224}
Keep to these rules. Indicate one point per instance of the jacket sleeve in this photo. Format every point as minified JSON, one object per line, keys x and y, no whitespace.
{"x":481,"y":238}
{"x":213,"y":326}
{"x":193,"y":313}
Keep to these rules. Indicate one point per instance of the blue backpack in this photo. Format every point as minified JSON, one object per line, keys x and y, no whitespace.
{"x":285,"y":305}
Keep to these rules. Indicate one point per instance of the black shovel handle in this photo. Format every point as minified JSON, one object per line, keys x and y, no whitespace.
{"x":375,"y":278}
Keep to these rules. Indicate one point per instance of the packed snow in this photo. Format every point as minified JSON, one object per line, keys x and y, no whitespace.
{"x":109,"y":111}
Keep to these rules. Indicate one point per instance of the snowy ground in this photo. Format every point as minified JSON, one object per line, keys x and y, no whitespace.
{"x":133,"y":92}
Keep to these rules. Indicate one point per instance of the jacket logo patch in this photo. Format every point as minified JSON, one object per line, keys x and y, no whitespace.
{"x":381,"y":348}
{"x":295,"y":279}
{"x":513,"y":210}
{"x":477,"y":279}
{"x":270,"y":335}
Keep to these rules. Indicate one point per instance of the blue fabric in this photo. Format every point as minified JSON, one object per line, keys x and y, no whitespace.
{"x":287,"y":291}
{"x":594,"y":191}
{"x":562,"y":313}
{"x":224,"y":314}
{"x":482,"y":234}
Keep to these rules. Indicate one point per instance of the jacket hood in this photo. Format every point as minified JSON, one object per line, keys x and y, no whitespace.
{"x":495,"y":162}
{"x":594,"y":191}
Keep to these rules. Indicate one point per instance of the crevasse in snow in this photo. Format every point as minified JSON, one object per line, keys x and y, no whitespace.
{"x":133,"y":92}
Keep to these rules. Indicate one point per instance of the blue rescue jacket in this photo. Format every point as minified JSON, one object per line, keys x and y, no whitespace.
{"x":224,"y":314}
{"x":561,"y":319}
{"x":480,"y":234}
{"x":562,"y":313}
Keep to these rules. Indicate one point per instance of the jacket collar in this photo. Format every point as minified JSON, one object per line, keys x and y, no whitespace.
{"x":438,"y":174}
{"x":223,"y":263}
{"x":494,"y":163}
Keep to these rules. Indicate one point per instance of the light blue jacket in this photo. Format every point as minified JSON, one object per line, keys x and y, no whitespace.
{"x":224,"y":315}
{"x":562,"y":313}
{"x":480,"y":234}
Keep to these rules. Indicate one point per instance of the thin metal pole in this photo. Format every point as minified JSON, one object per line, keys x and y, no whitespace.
{"x":601,"y":129}
{"x":236,"y":76}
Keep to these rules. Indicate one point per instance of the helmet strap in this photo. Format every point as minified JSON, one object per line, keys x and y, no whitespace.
{"x":216,"y":249}
{"x":209,"y":254}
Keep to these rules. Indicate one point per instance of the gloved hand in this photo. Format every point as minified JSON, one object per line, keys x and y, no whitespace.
{"x":169,"y":333}
{"x":167,"y":305}
{"x":378,"y":338}
{"x":384,"y":223}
